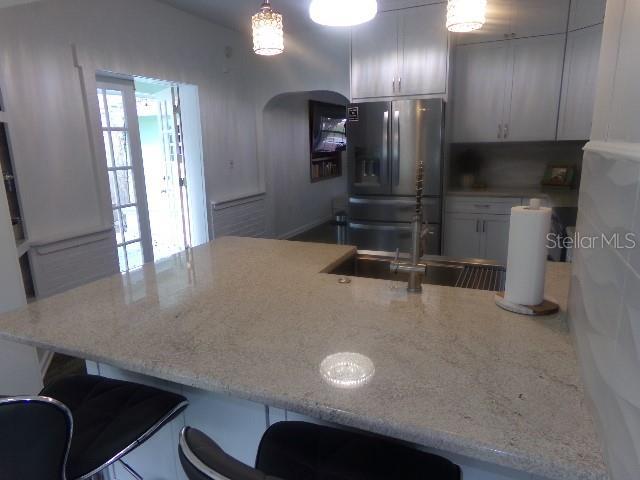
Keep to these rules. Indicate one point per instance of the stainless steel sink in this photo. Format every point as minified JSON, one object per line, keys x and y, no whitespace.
{"x":471,"y":273}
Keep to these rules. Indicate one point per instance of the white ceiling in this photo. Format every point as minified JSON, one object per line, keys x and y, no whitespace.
{"x":236,"y":14}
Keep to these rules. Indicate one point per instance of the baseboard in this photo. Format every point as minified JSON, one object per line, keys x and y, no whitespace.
{"x":303,"y":228}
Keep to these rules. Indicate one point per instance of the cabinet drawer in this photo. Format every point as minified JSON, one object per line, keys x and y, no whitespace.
{"x":482,"y":205}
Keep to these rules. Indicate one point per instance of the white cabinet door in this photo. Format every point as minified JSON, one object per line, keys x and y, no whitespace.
{"x":579,"y":83}
{"x":423,"y":50}
{"x":585,"y":13}
{"x":495,"y":237}
{"x":480,"y":84}
{"x":535,"y":95}
{"x":530,"y":18}
{"x":374,"y":57}
{"x":462,"y":235}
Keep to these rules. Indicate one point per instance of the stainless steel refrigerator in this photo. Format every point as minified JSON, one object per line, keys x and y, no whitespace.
{"x":384,"y":141}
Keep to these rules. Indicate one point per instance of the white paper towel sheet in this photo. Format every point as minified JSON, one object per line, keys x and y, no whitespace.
{"x":527,"y":258}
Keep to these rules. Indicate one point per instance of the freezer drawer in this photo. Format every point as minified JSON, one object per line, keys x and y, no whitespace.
{"x":393,"y":209}
{"x":389,"y":236}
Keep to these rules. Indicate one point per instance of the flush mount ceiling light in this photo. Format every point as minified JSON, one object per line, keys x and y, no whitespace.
{"x":342,"y":13}
{"x":268,"y":34}
{"x":466,"y":15}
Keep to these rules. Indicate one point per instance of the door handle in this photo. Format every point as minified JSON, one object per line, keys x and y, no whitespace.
{"x":396,"y":147}
{"x":499,"y":130}
{"x":385,"y":140}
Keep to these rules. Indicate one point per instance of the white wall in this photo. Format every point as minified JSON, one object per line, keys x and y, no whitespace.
{"x":294,"y":202}
{"x":143,"y":37}
{"x":604,"y":305}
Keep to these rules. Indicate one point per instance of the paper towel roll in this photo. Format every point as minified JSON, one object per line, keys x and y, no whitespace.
{"x":527,"y":258}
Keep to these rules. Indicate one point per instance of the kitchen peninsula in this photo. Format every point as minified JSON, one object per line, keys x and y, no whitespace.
{"x":251,"y":320}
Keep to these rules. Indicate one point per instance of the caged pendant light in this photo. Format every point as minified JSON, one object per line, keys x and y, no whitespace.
{"x":268,"y":34}
{"x":466,"y":15}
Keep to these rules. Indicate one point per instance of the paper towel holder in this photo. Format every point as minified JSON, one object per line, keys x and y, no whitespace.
{"x":547,"y":307}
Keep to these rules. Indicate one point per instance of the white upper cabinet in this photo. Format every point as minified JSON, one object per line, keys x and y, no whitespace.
{"x":585,"y":13}
{"x":385,"y":5}
{"x":374,"y":57}
{"x":530,"y":18}
{"x":508,"y":19}
{"x":508,"y":90}
{"x":535,"y":95}
{"x":423,"y":47}
{"x":579,"y":85}
{"x":481,"y":80}
{"x":400,"y":53}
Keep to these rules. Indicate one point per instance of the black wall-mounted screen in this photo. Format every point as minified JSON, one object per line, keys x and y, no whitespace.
{"x":327,"y":128}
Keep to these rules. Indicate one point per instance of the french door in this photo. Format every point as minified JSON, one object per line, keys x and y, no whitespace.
{"x":121,"y":136}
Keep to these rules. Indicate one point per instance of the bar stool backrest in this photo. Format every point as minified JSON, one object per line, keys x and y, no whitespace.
{"x":203,"y":459}
{"x":35,"y":435}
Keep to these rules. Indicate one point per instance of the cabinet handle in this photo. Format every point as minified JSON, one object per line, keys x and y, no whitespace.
{"x":394,"y":84}
{"x":506,"y":130}
{"x":478,"y":205}
{"x":399,"y":84}
{"x":484,"y":226}
{"x":499,"y":130}
{"x":477,"y":226}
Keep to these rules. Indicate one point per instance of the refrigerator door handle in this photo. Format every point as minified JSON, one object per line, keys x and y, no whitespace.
{"x":395,"y":157}
{"x":385,"y":137}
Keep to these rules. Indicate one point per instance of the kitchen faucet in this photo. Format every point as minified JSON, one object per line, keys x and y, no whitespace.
{"x":414,"y":267}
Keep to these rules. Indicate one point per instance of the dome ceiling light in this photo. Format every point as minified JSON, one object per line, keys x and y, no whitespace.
{"x":268,"y":32}
{"x":466,"y":15}
{"x":342,"y":13}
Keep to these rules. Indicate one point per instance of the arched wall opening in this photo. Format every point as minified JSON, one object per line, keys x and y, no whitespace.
{"x":295,"y":204}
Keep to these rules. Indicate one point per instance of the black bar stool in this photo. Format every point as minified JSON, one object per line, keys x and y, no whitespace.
{"x":304,"y":451}
{"x":110,"y":418}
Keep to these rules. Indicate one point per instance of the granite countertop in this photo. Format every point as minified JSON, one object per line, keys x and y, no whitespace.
{"x":255,"y":318}
{"x":557,"y":197}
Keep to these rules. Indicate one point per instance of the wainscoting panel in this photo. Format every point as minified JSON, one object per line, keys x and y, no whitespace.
{"x":604,"y":306}
{"x":242,"y":217}
{"x":61,"y":264}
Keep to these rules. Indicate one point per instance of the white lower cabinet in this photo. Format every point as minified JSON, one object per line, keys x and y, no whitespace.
{"x":478,"y":227}
{"x":477,"y":236}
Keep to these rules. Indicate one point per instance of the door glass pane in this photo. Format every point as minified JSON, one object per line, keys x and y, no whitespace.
{"x":117,"y":225}
{"x":107,"y":149}
{"x":130,"y":223}
{"x":134,"y":255}
{"x":103,"y":113}
{"x":113,"y":188}
{"x":120,"y":149}
{"x":122,"y":260}
{"x":125,"y":187}
{"x":115,"y":107}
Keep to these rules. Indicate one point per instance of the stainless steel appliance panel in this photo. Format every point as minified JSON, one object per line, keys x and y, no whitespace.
{"x":368,"y":149}
{"x":390,"y":236}
{"x":416,"y":133}
{"x":393,"y":209}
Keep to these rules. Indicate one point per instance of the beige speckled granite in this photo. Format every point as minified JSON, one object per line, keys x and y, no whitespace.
{"x":254,"y":319}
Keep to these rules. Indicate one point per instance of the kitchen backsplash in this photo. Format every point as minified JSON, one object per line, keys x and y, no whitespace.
{"x":509,"y":165}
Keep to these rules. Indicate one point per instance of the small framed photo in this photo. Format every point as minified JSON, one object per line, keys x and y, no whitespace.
{"x":559,"y":175}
